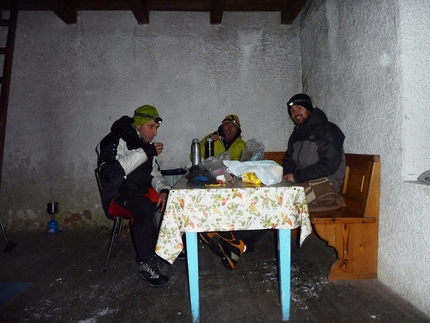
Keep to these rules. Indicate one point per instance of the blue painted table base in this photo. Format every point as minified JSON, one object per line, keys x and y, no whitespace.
{"x":284,"y":268}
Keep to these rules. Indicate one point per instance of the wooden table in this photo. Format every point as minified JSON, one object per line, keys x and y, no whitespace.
{"x":193,"y":208}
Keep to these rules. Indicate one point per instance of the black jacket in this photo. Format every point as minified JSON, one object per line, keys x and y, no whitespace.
{"x":315,"y":150}
{"x":126,"y":163}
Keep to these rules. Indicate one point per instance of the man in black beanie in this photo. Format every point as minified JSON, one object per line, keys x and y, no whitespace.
{"x":315,"y":155}
{"x":297,"y":101}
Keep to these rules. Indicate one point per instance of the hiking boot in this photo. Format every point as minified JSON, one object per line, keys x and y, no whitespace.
{"x":226,"y":235}
{"x":229,"y":251}
{"x":151,"y":273}
{"x":206,"y":236}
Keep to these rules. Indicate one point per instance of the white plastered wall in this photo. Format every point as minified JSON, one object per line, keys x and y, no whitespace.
{"x":366,"y":64}
{"x":71,"y":82}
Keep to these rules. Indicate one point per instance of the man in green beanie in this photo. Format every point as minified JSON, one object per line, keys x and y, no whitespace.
{"x":133,"y":186}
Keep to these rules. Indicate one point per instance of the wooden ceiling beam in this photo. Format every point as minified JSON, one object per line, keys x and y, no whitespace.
{"x":67,"y":10}
{"x":63,"y":10}
{"x":140,"y":11}
{"x":216,"y":11}
{"x":291,"y":10}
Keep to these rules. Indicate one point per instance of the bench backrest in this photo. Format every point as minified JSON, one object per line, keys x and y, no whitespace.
{"x":360,"y":188}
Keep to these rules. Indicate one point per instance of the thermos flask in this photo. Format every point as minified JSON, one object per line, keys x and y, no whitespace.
{"x":209,"y":147}
{"x":195,"y":152}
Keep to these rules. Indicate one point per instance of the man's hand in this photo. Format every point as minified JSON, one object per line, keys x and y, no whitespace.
{"x":289,"y":177}
{"x":159,"y":147}
{"x":216,"y":137}
{"x":161,"y":203}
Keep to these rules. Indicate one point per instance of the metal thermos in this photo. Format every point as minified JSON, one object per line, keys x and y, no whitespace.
{"x":209,"y":147}
{"x":195,"y":152}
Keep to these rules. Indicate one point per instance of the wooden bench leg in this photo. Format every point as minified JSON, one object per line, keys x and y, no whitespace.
{"x":284,"y":268}
{"x":193,"y":274}
{"x":356,"y":245}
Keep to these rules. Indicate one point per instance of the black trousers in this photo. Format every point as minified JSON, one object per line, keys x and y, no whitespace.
{"x":141,"y":224}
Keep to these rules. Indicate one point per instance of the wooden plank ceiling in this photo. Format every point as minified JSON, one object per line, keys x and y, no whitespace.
{"x":67,"y":10}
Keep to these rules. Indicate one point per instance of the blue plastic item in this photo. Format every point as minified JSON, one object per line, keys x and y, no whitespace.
{"x":53,"y":226}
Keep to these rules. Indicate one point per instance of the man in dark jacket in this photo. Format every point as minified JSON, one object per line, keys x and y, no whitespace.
{"x":133,"y":186}
{"x":315,"y":148}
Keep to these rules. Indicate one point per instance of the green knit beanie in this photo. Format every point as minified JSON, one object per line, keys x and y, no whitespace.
{"x":144,"y":114}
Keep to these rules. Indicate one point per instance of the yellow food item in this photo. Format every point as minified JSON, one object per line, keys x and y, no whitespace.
{"x":251,"y":178}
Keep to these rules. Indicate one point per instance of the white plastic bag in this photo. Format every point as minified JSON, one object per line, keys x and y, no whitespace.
{"x":268,"y":171}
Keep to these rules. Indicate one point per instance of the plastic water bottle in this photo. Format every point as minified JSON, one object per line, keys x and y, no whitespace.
{"x":209,"y":147}
{"x":53,"y":226}
{"x":195,"y":152}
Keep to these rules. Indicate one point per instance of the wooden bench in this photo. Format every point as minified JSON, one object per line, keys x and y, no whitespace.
{"x":352,"y":230}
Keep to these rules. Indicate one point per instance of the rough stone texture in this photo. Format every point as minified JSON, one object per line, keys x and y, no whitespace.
{"x":366,"y":64}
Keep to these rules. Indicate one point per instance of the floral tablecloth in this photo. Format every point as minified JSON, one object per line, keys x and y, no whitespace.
{"x":196,"y":208}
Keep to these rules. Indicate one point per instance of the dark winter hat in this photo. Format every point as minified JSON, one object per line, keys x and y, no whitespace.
{"x":300,"y":99}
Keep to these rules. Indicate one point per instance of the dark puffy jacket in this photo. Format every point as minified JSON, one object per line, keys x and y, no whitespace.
{"x":315,"y":150}
{"x":126,"y":163}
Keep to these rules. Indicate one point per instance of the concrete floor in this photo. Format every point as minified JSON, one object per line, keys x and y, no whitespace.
{"x":67,"y":285}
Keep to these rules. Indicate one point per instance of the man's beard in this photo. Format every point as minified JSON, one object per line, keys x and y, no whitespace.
{"x":303,"y":120}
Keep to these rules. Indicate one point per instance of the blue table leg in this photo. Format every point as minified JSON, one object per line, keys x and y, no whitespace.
{"x":284,"y":251}
{"x":193,"y":274}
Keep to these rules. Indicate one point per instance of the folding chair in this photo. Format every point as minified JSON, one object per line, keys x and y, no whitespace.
{"x":118,"y":222}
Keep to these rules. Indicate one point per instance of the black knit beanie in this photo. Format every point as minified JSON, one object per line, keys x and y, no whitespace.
{"x":300,"y":99}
